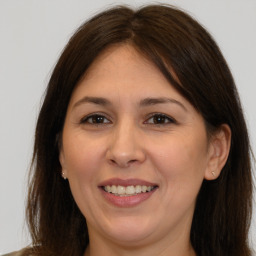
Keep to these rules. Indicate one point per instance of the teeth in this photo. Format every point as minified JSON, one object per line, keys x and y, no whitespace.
{"x":138,"y":189}
{"x":130,"y":190}
{"x":144,"y":189}
{"x":108,"y":188}
{"x":121,"y":190}
{"x":127,"y":191}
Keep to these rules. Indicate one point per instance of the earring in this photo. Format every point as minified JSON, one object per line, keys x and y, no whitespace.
{"x":213,"y":174}
{"x":63,"y":175}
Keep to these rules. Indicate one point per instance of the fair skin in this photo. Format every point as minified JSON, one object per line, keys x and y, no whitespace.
{"x":126,"y":124}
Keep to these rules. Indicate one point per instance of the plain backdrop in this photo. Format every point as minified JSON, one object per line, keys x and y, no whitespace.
{"x":33,"y":34}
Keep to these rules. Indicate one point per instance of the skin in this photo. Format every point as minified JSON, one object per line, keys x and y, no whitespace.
{"x":127,"y":141}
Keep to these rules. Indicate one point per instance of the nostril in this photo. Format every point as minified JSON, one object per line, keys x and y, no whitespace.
{"x":122,"y":163}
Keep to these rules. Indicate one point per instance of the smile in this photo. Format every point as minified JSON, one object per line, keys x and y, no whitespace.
{"x":119,"y":190}
{"x":127,"y":192}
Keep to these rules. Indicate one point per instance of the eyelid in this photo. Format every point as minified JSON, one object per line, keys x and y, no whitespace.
{"x":171,"y":119}
{"x":85,"y":118}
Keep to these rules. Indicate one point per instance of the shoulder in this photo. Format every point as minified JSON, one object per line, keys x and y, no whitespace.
{"x":18,"y":253}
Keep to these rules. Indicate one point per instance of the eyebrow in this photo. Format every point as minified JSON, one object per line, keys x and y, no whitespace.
{"x":162,"y":100}
{"x":94,"y":100}
{"x":143,"y":103}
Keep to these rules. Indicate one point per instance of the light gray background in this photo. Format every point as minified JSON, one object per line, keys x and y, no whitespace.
{"x":32,"y":35}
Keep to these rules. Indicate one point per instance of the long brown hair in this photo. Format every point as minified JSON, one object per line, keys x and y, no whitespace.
{"x":170,"y":39}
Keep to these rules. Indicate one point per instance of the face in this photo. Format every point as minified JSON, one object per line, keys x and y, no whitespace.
{"x":135,"y":152}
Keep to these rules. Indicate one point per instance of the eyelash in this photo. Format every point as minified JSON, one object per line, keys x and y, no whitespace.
{"x":167,"y":120}
{"x":84,"y":120}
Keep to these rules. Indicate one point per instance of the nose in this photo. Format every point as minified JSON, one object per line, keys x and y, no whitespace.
{"x":125,"y":146}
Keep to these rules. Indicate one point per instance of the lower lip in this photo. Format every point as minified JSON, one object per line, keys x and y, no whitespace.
{"x":127,"y":201}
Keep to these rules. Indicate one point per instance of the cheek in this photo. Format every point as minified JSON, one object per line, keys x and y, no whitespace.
{"x":180,"y":166}
{"x":83,"y":157}
{"x":180,"y":158}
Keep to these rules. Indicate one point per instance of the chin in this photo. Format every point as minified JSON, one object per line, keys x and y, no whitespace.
{"x":132,"y":232}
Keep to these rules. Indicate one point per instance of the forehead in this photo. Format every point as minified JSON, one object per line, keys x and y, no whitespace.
{"x":121,"y":70}
{"x":120,"y":60}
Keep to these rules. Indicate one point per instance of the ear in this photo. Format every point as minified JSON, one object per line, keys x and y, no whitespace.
{"x":63,"y":165}
{"x":219,"y":148}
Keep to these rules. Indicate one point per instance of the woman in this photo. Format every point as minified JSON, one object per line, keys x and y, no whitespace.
{"x":141,"y":146}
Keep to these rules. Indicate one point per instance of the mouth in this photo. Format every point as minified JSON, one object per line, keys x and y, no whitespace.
{"x":132,"y":190}
{"x":127,"y":193}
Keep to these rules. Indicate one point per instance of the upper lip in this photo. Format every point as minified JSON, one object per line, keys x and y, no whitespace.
{"x":126,"y":182}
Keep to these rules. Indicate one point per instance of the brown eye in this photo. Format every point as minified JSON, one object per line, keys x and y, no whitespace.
{"x":95,"y":119}
{"x":160,"y":119}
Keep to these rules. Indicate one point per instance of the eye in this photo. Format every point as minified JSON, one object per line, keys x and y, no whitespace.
{"x":160,"y":119}
{"x":95,"y":119}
